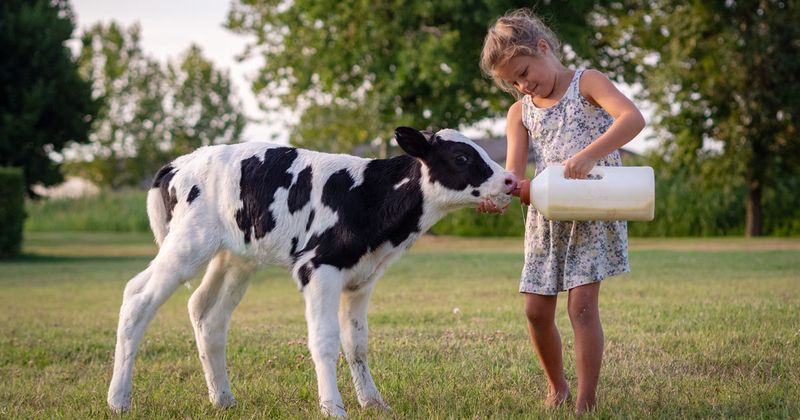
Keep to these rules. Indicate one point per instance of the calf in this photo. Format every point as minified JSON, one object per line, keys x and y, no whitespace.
{"x":336,"y":221}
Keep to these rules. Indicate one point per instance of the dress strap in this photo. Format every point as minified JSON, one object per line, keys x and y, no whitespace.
{"x":574,"y":90}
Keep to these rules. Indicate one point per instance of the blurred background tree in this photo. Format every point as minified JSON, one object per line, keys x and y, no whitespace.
{"x":204,"y":110}
{"x":354,"y":70}
{"x":150,"y":113}
{"x":130,"y":131}
{"x":44,"y":101}
{"x":720,"y":76}
{"x":723,"y":77}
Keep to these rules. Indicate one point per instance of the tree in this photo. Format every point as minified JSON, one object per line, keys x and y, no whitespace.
{"x":721,"y":73}
{"x":150,"y":112}
{"x":204,"y":108}
{"x":357,"y":69}
{"x":44,"y":102}
{"x":130,"y":132}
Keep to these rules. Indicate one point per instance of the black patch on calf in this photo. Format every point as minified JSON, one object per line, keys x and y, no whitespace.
{"x":168,"y":196}
{"x":193,"y":193}
{"x":293,"y":251}
{"x":300,"y":193}
{"x":456,"y":165}
{"x":369,"y":214}
{"x":310,"y":220}
{"x":304,"y":273}
{"x":258,"y":184}
{"x":476,"y":193}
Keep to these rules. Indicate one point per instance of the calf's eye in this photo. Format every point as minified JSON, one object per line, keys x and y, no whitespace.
{"x":462,"y":160}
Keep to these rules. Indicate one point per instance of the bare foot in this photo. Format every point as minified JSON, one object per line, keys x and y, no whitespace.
{"x":555,"y":398}
{"x":583,"y":407}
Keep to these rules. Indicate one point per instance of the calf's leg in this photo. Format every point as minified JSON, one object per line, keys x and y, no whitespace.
{"x":354,"y":335}
{"x":322,"y":304}
{"x":180,"y":257}
{"x":210,"y":309}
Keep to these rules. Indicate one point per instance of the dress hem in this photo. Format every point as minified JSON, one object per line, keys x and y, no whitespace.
{"x":539,"y":291}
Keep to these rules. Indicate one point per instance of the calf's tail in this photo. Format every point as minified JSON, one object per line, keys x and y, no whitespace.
{"x":157,"y":210}
{"x":157,"y":213}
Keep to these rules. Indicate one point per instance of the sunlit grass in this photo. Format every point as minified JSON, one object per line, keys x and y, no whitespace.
{"x":700,"y":328}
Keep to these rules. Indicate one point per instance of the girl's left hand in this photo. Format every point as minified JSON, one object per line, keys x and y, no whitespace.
{"x":577,"y":167}
{"x":487,"y":206}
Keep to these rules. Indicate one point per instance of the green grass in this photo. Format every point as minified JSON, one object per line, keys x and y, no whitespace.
{"x":700,"y":328}
{"x":109,"y":211}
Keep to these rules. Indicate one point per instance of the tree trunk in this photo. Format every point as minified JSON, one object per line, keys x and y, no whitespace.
{"x":383,"y":153}
{"x":754,"y":219}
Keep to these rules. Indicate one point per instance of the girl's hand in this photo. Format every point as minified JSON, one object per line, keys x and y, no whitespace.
{"x":578,"y":166}
{"x":487,"y":206}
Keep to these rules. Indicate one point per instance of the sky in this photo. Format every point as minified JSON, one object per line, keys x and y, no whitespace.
{"x":168,"y":28}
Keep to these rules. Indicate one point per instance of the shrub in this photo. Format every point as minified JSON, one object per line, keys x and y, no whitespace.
{"x":121,"y":211}
{"x":468,"y":222}
{"x":12,"y":210}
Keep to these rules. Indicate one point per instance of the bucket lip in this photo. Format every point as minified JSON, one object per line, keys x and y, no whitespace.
{"x":525,"y":191}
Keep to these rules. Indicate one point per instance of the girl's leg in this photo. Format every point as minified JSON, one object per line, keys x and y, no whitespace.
{"x":540,"y":311}
{"x":584,"y":315}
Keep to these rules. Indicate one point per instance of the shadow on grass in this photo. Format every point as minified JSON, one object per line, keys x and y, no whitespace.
{"x":52,"y":259}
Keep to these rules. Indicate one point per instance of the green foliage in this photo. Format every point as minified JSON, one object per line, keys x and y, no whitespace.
{"x":722,"y":73}
{"x":354,"y":70}
{"x":12,"y":210}
{"x":701,"y":199}
{"x":782,"y":206}
{"x":204,"y":108}
{"x":689,"y":205}
{"x":44,"y":102}
{"x":685,"y":206}
{"x":109,"y":211}
{"x":468,"y":222}
{"x":150,"y":113}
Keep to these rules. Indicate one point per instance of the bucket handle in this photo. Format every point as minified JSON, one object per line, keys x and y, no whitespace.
{"x":597,"y":171}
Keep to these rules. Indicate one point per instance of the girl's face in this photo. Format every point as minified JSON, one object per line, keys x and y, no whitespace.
{"x":531,"y":75}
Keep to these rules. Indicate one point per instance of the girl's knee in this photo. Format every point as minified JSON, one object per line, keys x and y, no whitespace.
{"x":538,"y":314}
{"x":584,"y":312}
{"x":583,"y":304}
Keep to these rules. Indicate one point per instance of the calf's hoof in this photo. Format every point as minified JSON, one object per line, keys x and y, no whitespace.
{"x":119,"y":405}
{"x":223,"y":400}
{"x":332,"y":409}
{"x":377,"y":403}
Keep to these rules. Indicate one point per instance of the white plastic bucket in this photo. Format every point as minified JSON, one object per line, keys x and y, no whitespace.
{"x":608,"y":193}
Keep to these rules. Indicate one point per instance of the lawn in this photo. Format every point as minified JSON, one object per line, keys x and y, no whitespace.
{"x":700,"y":328}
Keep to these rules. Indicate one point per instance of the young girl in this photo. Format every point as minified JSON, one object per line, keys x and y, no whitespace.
{"x":576,"y":118}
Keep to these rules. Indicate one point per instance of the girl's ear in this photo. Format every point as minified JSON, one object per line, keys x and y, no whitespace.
{"x":412,"y":141}
{"x":542,"y":46}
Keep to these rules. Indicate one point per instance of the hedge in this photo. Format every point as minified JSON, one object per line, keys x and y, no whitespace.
{"x":12,"y":210}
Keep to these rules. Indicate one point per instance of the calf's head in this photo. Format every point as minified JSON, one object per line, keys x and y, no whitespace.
{"x":459,"y":172}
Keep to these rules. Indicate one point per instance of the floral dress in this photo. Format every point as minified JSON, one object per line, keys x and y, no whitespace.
{"x":561,"y":255}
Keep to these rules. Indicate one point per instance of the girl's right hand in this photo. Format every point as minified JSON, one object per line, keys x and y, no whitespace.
{"x":487,"y":206}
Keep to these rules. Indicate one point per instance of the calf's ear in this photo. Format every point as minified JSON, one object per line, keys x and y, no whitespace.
{"x":412,"y":141}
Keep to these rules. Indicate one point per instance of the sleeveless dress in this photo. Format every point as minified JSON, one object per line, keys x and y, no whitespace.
{"x":561,"y":255}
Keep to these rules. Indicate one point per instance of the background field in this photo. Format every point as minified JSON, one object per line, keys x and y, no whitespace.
{"x":701,"y":328}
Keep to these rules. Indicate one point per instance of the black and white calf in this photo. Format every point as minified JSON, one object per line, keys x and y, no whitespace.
{"x":336,"y":221}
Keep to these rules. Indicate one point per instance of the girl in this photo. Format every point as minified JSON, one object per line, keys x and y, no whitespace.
{"x":576,"y":118}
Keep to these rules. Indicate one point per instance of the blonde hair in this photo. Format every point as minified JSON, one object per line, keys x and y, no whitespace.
{"x":516,"y":33}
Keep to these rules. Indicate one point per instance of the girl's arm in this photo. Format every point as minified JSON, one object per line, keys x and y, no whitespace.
{"x":516,"y":151}
{"x":628,"y":122}
{"x":517,"y":141}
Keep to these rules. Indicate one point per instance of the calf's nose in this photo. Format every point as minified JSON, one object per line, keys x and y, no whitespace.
{"x":511,"y":182}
